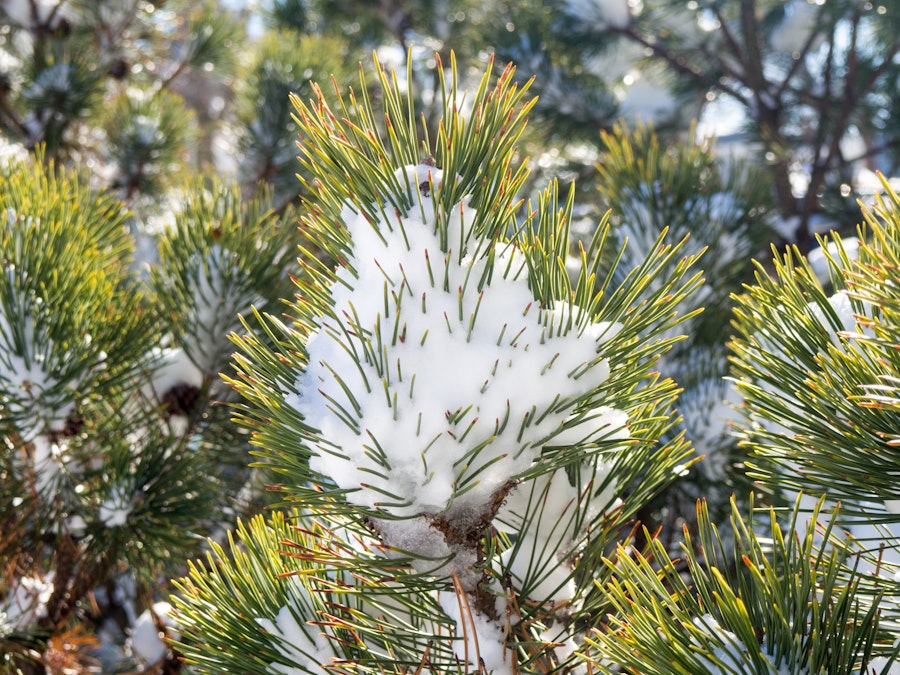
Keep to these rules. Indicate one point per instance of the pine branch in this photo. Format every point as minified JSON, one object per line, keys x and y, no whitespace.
{"x":416,"y":256}
{"x":791,"y":604}
{"x":808,"y":365}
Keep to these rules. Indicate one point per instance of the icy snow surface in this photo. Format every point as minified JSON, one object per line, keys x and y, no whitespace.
{"x":458,"y":389}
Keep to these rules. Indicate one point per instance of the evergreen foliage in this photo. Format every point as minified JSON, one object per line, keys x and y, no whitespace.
{"x":818,"y":367}
{"x":476,"y":394}
{"x":723,"y":211}
{"x":392,"y":543}
{"x":788,"y":604}
{"x":808,"y":76}
{"x":106,"y":427}
{"x":284,"y":64}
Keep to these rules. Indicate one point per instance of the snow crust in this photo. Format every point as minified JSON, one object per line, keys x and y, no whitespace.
{"x":431,"y":391}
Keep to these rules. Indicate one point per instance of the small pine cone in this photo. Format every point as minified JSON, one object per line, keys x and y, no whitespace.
{"x":74,"y":425}
{"x":118,"y":69}
{"x":181,"y":399}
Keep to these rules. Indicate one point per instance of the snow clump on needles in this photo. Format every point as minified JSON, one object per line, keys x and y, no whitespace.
{"x":437,"y":378}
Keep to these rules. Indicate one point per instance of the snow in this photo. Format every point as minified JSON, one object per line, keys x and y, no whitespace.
{"x":642,"y":96}
{"x":483,"y":641}
{"x":384,"y":384}
{"x":870,"y":182}
{"x":31,"y":393}
{"x":800,"y":20}
{"x":882,"y":540}
{"x":174,"y":367}
{"x":36,"y":12}
{"x":10,"y":151}
{"x":25,"y":603}
{"x":818,"y":257}
{"x":600,"y":13}
{"x":299,"y":643}
{"x":218,"y":295}
{"x":843,"y":309}
{"x":146,"y":641}
{"x":410,"y":433}
{"x":117,"y":506}
{"x":36,"y":373}
{"x":727,"y":658}
{"x":430,"y":548}
{"x":877,"y":665}
{"x":55,"y":80}
{"x":147,"y":130}
{"x":548,"y":518}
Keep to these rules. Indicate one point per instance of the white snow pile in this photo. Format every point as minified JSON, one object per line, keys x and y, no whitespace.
{"x":218,"y":297}
{"x":818,"y":257}
{"x":117,"y":505}
{"x":483,"y":641}
{"x":848,"y":327}
{"x":433,"y":383}
{"x":726,"y":660}
{"x":428,"y":392}
{"x":32,"y":365}
{"x":29,"y":360}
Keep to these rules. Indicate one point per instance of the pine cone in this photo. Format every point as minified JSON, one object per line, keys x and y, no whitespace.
{"x":181,"y":399}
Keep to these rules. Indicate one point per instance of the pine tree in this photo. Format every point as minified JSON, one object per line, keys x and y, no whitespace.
{"x":113,"y":85}
{"x":465,"y":395}
{"x":724,"y":212}
{"x":460,"y":429}
{"x":115,"y":464}
{"x":119,"y":457}
{"x":817,"y":367}
{"x":812,"y":591}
